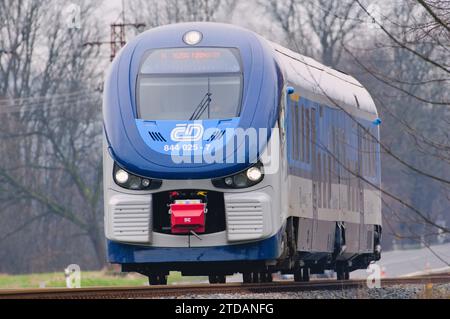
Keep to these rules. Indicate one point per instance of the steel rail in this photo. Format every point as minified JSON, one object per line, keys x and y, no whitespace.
{"x":206,"y":289}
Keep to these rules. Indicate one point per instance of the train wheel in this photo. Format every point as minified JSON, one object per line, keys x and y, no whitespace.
{"x":157,"y":279}
{"x":346,"y":274}
{"x":221,"y":279}
{"x":298,"y":275}
{"x":269,"y":277}
{"x":153,"y":280}
{"x":305,"y":274}
{"x":255,"y":277}
{"x":212,"y":279}
{"x":163,"y":279}
{"x":262,"y":277}
{"x":341,"y":272}
{"x":217,"y":279}
{"x":247,"y":277}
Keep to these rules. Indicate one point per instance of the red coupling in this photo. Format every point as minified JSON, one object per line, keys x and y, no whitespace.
{"x":187,"y":217}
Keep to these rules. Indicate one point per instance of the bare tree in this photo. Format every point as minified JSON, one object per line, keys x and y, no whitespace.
{"x":401,"y":54}
{"x":50,"y":136}
{"x":156,"y":13}
{"x":405,"y":64}
{"x":316,"y":28}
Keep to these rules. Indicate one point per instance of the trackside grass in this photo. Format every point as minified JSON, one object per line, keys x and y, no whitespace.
{"x":88,"y":279}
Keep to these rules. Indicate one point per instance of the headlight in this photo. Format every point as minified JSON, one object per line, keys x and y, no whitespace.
{"x":121,"y":176}
{"x":145,"y":182}
{"x":229,"y":181}
{"x":130,"y":181}
{"x":192,"y":37}
{"x":246,"y":178}
{"x":254,"y":174}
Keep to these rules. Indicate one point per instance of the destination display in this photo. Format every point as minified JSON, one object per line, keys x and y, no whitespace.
{"x":191,"y":60}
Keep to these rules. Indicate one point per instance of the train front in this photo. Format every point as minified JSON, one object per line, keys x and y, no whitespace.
{"x":184,"y":186}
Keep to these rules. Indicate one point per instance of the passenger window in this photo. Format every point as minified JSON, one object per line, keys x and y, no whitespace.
{"x":303,"y":133}
{"x":297,"y":137}
{"x":374,"y":147}
{"x":365,"y":155}
{"x":300,"y":131}
{"x":293,"y":132}
{"x":308,"y":137}
{"x":329,"y":180}
{"x":325,"y":182}
{"x":372,"y":153}
{"x":319,"y":178}
{"x":375,"y":154}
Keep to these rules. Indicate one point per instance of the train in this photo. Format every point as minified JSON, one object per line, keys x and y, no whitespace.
{"x":226,"y":153}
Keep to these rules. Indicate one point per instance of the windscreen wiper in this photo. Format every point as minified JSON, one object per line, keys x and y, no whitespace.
{"x":204,"y":104}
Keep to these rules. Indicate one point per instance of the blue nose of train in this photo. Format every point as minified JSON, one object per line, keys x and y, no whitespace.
{"x":193,"y":149}
{"x":150,"y":97}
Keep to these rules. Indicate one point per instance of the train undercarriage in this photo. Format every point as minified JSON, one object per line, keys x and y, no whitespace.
{"x":300,"y":264}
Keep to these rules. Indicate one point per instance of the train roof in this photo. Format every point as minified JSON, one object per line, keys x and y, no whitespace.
{"x":324,"y":84}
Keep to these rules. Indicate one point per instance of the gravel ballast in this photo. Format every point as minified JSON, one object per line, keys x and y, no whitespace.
{"x":388,"y":292}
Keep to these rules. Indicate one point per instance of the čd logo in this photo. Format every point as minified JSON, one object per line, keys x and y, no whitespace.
{"x":187,"y":132}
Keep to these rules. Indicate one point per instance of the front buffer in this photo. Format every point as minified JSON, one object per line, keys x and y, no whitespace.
{"x":215,"y":262}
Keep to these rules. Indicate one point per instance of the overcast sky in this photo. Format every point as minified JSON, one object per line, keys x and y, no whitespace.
{"x":110,"y":11}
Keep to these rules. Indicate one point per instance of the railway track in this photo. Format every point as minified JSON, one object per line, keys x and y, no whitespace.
{"x":205,"y":289}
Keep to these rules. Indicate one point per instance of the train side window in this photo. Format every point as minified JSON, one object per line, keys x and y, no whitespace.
{"x":355,"y":186}
{"x":370,"y":148}
{"x":302,"y":133}
{"x":375,"y":154}
{"x":342,"y":170}
{"x":319,"y":178}
{"x":367,"y":155}
{"x":329,"y":180}
{"x":293,"y":131}
{"x":352,"y":187}
{"x":346,"y":163}
{"x":349,"y":182}
{"x":297,"y":128}
{"x":371,"y":163}
{"x":357,"y":208}
{"x":325,"y":182}
{"x":308,"y":137}
{"x":304,"y":129}
{"x":364,"y":154}
{"x":336,"y":154}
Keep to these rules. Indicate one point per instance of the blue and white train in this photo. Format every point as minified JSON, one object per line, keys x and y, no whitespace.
{"x":180,"y":89}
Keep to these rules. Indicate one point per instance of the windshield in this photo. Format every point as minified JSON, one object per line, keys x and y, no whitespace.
{"x":190,"y":84}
